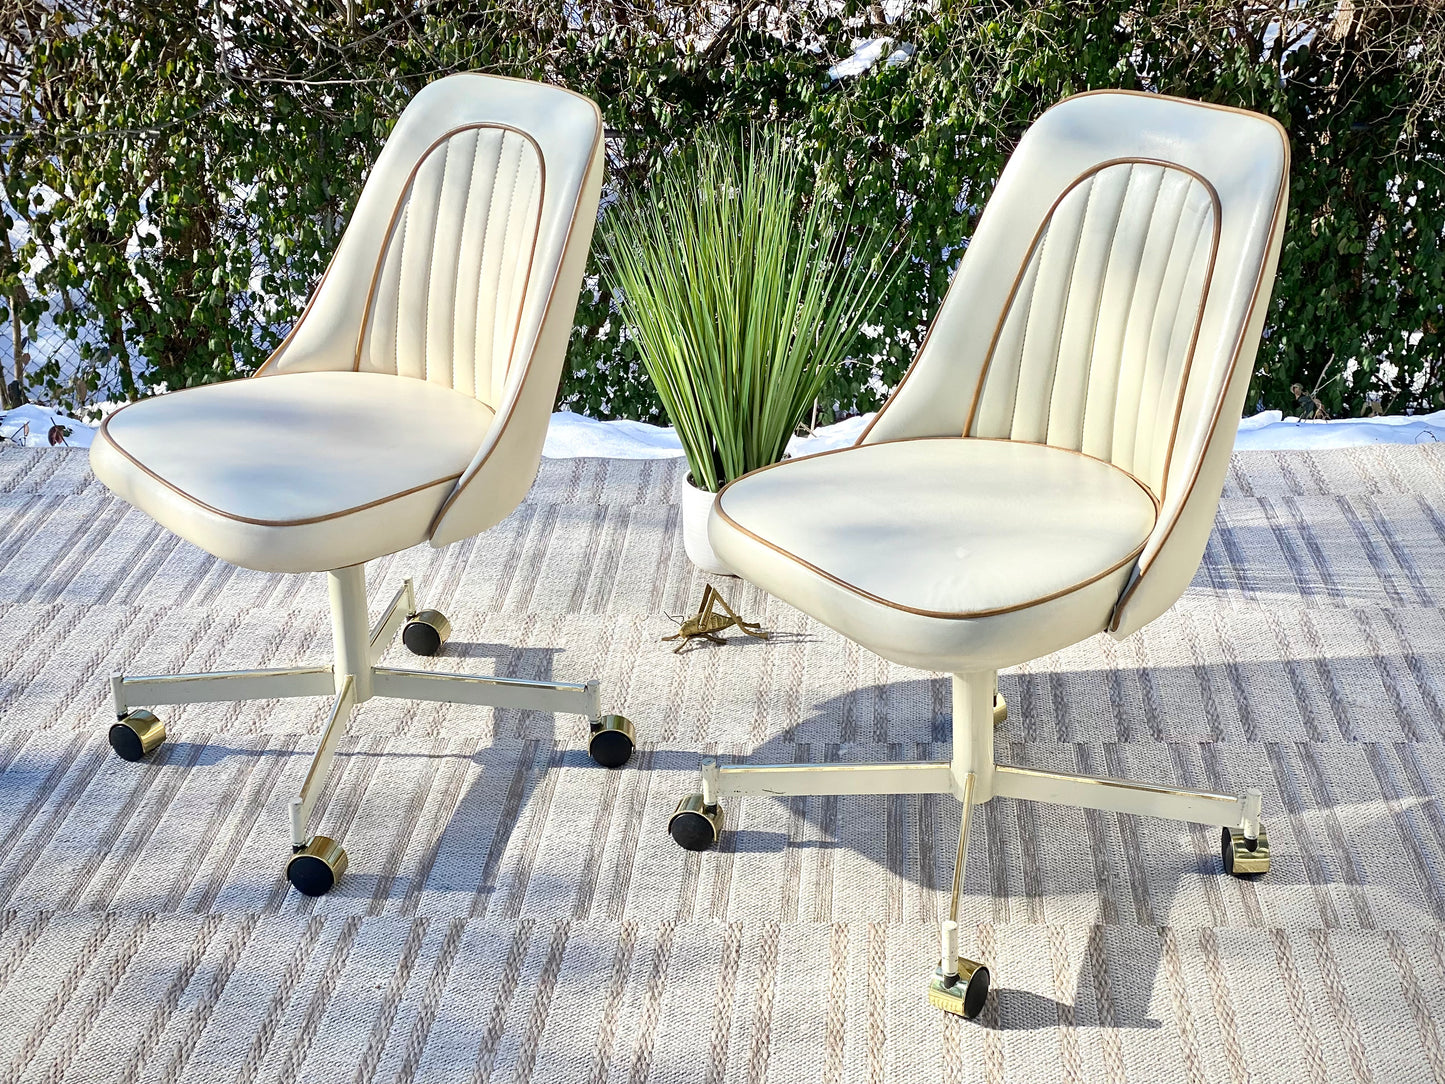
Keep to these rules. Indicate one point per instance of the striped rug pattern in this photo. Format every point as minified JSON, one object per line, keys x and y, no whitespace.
{"x":515,"y":913}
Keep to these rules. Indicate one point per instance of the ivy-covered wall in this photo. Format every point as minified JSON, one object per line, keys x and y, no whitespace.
{"x":175,"y":175}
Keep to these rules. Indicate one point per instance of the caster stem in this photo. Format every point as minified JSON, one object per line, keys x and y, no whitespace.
{"x":949,"y":957}
{"x":1253,"y":807}
{"x":710,"y":776}
{"x":959,"y":985}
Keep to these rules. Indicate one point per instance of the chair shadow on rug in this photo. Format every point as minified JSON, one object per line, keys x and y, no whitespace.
{"x":523,"y":747}
{"x":1324,"y":552}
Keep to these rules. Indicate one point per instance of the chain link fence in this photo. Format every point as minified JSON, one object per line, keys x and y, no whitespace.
{"x":54,"y":349}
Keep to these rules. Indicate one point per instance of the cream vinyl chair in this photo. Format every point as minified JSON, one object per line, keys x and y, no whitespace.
{"x":1051,"y":464}
{"x":408,"y":405}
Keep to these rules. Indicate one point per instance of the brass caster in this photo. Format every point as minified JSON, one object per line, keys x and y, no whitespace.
{"x":315,"y":868}
{"x":695,"y":826}
{"x":1240,"y":857}
{"x":136,"y":734}
{"x":425,"y":632}
{"x":1000,"y":709}
{"x":962,"y":993}
{"x":612,"y":741}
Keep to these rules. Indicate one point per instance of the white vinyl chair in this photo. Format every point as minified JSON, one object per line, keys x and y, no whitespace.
{"x":409,"y":404}
{"x":1050,"y":466}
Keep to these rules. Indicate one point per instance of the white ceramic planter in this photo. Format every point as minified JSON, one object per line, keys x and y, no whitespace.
{"x":696,"y":506}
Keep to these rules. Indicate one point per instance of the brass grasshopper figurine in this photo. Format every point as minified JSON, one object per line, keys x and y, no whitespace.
{"x":708,"y":623}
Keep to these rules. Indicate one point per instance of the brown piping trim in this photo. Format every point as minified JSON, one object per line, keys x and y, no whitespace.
{"x":332,"y":262}
{"x":1284,"y":138}
{"x":1018,"y":281}
{"x":446,"y":505}
{"x":1056,"y":448}
{"x":992,"y":440}
{"x":105,"y":433}
{"x":551,"y":296}
{"x":943,"y":615}
{"x":1276,"y":228}
{"x":1033,"y":246}
{"x":531,"y":258}
{"x":1154,"y":96}
{"x":1013,"y":296}
{"x":402,"y":199}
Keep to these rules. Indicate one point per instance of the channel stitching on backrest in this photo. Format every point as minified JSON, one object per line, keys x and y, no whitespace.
{"x":1093,"y":350}
{"x":451,"y":279}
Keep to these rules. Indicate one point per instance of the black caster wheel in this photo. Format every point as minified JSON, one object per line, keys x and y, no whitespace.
{"x":695,"y":826}
{"x":316,"y":867}
{"x":1239,"y":857}
{"x":963,"y":993}
{"x":976,"y":992}
{"x":136,"y":734}
{"x":425,"y":632}
{"x":612,"y":741}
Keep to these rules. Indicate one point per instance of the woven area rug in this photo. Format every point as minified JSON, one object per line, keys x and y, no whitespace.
{"x":513,"y":912}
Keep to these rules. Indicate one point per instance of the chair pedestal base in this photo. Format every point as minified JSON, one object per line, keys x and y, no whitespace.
{"x":351,"y":680}
{"x":972,"y":777}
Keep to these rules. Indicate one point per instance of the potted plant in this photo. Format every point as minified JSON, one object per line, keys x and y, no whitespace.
{"x":742,"y":293}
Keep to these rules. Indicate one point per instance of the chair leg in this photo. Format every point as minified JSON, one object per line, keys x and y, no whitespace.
{"x":959,"y":985}
{"x":317,"y":862}
{"x":697,"y":822}
{"x":398,"y":612}
{"x":611,"y":737}
{"x":137,"y":732}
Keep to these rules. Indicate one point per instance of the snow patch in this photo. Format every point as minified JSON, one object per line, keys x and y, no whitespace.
{"x":30,"y":425}
{"x":866,"y":53}
{"x":1272,"y":431}
{"x":573,"y":436}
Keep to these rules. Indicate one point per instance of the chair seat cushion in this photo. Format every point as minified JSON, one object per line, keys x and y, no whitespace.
{"x":945,"y":553}
{"x":298,"y":472}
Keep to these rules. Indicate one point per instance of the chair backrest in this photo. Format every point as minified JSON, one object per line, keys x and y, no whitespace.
{"x":447,"y":294}
{"x":1111,"y":302}
{"x":461,"y":265}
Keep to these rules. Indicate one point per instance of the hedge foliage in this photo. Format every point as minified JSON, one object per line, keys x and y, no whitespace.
{"x":176,"y":174}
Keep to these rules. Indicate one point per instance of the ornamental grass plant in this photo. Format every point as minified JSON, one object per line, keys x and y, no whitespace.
{"x":743,"y":293}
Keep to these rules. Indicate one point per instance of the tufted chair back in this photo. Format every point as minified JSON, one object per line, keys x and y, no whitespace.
{"x":461,"y":266}
{"x":1111,"y":302}
{"x":452,"y":276}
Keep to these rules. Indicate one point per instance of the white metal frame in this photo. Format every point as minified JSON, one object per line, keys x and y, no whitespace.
{"x":351,"y":680}
{"x":973,"y":756}
{"x":972,"y":776}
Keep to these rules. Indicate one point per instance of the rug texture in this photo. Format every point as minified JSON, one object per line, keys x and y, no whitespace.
{"x":515,"y":913}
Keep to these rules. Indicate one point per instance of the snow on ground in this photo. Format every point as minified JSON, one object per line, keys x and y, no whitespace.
{"x":1272,"y":431}
{"x":574,"y":435}
{"x":30,"y":425}
{"x":571,"y":436}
